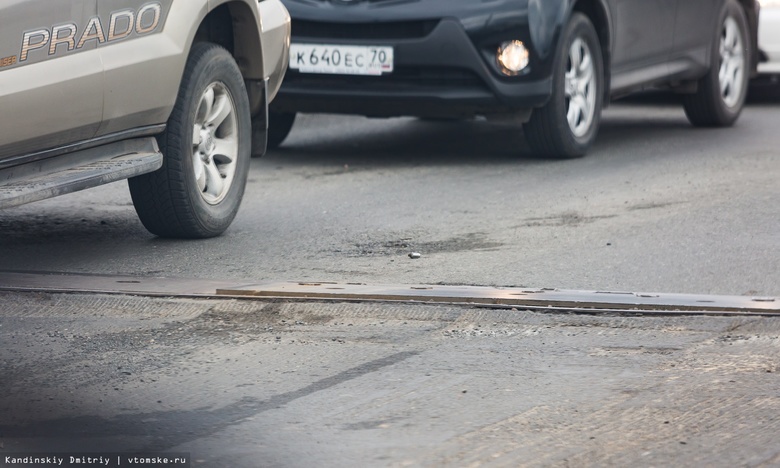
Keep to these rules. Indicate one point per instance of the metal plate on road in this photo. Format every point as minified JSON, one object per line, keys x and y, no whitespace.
{"x":336,"y":59}
{"x":551,"y":300}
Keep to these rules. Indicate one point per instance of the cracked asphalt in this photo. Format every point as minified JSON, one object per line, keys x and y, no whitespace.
{"x":250,"y":383}
{"x":657,"y":206}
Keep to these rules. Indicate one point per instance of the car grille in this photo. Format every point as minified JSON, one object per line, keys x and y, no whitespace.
{"x":403,"y":78}
{"x":380,"y":30}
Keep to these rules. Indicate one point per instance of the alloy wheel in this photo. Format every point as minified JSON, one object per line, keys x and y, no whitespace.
{"x":580,"y":88}
{"x":215,"y":143}
{"x":732,"y":63}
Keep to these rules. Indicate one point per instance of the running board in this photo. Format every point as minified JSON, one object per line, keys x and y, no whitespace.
{"x":78,"y":171}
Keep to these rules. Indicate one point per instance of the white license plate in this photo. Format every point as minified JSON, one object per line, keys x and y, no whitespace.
{"x":341,"y":59}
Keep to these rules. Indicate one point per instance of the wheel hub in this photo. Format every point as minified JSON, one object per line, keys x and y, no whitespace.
{"x":215,"y":143}
{"x":732,"y":63}
{"x":207,"y":144}
{"x":580,"y":88}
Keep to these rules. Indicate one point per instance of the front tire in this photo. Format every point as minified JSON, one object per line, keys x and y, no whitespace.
{"x":206,"y":152}
{"x":567,"y":125}
{"x":721,"y":94}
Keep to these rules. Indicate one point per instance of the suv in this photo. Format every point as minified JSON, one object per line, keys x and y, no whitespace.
{"x":170,"y":94}
{"x":549,"y":64}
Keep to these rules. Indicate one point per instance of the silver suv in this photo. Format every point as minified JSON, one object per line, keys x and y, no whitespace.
{"x":170,"y":94}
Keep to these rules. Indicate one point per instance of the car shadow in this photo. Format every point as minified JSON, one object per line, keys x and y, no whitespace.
{"x":764,"y":91}
{"x":401,"y":142}
{"x":398,"y":141}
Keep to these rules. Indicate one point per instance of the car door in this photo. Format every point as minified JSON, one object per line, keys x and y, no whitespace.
{"x":694,"y":31}
{"x":643,"y":38}
{"x":51,"y":85}
{"x":139,"y":63}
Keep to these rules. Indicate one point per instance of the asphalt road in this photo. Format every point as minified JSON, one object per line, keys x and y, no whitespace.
{"x":264,"y":384}
{"x":657,"y":206}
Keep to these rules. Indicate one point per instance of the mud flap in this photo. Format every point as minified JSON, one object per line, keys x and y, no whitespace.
{"x":258,"y":103}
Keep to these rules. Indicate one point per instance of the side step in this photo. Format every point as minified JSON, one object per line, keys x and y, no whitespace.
{"x":78,"y":171}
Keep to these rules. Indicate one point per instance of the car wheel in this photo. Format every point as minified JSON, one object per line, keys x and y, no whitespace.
{"x":279,"y":126}
{"x":206,"y":152}
{"x":567,"y":125}
{"x":720,"y":96}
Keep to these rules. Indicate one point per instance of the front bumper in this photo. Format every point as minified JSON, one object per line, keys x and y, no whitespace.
{"x":441,"y":70}
{"x":275,"y":23}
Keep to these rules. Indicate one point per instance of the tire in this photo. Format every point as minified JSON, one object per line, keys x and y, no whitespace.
{"x":206,"y":152}
{"x":721,"y":93}
{"x":279,"y":126}
{"x":567,"y":125}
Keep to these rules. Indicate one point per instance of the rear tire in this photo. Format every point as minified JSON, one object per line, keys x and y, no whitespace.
{"x":721,"y":93}
{"x":567,"y":125}
{"x":206,"y":152}
{"x":279,"y":126}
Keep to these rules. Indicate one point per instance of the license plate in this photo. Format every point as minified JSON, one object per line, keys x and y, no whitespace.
{"x":341,"y":59}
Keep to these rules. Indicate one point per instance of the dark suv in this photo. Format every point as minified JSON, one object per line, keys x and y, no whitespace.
{"x":551,"y":64}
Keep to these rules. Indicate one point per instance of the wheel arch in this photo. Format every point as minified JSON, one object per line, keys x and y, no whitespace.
{"x":235,"y":26}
